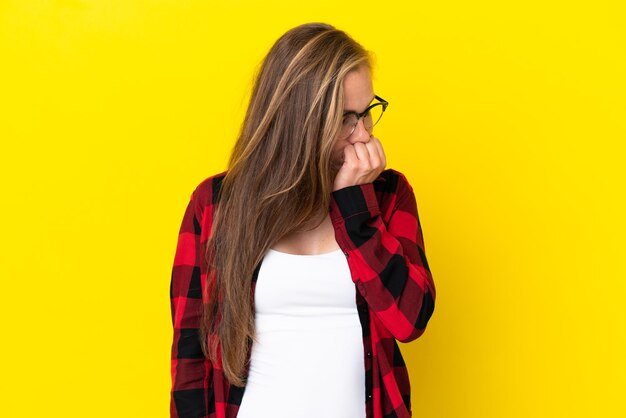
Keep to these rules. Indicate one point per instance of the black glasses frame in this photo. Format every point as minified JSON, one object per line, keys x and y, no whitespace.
{"x":381,"y":102}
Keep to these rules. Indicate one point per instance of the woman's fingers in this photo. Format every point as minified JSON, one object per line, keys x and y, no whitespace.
{"x":368,"y":155}
{"x":381,"y":153}
{"x":362,"y":153}
{"x":362,"y":163}
{"x":371,"y":153}
{"x":349,"y":155}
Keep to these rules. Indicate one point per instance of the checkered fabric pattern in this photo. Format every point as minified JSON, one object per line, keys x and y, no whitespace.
{"x":377,"y":227}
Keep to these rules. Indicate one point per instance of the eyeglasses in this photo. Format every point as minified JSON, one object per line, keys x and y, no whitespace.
{"x":370,"y":116}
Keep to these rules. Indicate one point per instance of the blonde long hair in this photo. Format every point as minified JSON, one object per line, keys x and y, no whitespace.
{"x":279,"y":176}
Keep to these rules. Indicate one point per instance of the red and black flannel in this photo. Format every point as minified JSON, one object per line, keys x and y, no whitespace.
{"x":377,"y":226}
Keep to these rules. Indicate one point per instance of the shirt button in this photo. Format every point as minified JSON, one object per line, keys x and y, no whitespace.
{"x":369,"y":354}
{"x":369,"y":396}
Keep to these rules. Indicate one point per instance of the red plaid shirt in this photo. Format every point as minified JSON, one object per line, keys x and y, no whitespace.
{"x":377,"y":226}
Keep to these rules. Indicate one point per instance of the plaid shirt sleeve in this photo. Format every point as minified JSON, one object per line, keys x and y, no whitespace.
{"x":386,"y":253}
{"x":190,"y":370}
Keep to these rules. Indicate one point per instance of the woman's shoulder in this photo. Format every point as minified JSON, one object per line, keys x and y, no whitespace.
{"x":206,"y":191}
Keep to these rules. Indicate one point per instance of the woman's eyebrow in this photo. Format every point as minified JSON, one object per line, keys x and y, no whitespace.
{"x":354,"y":111}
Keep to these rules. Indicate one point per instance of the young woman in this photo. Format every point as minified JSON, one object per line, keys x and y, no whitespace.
{"x":299,"y":268}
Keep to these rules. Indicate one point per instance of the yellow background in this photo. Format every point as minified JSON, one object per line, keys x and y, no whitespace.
{"x":508,"y":118}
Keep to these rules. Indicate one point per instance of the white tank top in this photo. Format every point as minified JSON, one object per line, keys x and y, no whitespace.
{"x":308,"y":360}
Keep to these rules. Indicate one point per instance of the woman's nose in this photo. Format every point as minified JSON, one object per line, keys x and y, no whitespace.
{"x":360,"y":134}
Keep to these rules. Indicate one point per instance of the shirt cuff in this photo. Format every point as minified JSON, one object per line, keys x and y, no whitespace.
{"x":354,"y":200}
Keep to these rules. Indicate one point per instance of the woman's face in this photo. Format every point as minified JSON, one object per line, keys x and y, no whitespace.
{"x":358,"y":93}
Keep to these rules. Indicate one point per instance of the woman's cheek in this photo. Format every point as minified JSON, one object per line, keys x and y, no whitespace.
{"x":337,"y":159}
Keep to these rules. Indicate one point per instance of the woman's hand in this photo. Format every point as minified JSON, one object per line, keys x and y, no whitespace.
{"x":362,"y":163}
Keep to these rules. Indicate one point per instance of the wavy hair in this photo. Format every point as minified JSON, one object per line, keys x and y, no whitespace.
{"x":279,"y":178}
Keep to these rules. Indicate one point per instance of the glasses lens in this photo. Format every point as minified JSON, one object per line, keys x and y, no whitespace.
{"x":373,"y":117}
{"x":349,"y":123}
